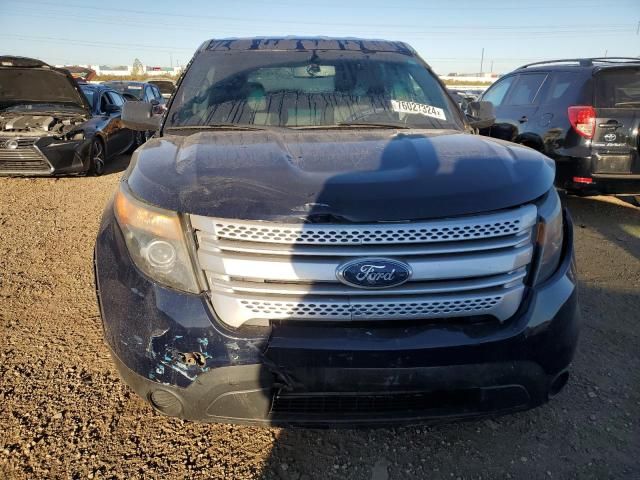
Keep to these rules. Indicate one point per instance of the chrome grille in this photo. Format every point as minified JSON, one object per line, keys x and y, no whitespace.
{"x":436,"y":231}
{"x":462,"y":267}
{"x":399,"y":309}
{"x":26,"y":158}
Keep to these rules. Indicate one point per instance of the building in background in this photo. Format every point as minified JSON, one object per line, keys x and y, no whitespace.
{"x":162,"y":71}
{"x":128,"y":70}
{"x":119,"y":70}
{"x":488,"y":77}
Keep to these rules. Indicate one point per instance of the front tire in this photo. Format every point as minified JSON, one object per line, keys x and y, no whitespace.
{"x":97,"y":157}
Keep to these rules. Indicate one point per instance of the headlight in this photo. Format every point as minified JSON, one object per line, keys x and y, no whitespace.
{"x":156,"y":241}
{"x":550,"y":235}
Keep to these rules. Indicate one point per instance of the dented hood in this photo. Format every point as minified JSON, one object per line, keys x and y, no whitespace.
{"x":337,"y":175}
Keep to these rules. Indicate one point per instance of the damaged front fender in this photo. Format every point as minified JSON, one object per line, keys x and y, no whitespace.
{"x":167,"y":336}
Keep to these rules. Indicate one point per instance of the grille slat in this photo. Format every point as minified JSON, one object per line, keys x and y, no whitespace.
{"x":467,"y":228}
{"x":401,"y":308}
{"x":337,"y":289}
{"x":462,"y":267}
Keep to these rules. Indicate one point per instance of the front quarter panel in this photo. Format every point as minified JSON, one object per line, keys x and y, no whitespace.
{"x":155,"y":330}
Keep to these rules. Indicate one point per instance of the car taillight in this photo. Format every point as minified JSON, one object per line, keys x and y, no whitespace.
{"x":583,"y":120}
{"x":582,"y":180}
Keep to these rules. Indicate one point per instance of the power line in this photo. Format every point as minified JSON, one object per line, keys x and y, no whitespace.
{"x":98,"y":44}
{"x":452,"y":31}
{"x":311,"y":23}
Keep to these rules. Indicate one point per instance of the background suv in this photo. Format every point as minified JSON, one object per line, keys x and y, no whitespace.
{"x":583,"y":113}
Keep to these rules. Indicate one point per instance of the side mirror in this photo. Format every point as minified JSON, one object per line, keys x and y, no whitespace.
{"x":481,"y":114}
{"x":111,"y":108}
{"x":139,"y":116}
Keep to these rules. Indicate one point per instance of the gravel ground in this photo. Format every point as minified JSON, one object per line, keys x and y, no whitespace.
{"x":65,"y":414}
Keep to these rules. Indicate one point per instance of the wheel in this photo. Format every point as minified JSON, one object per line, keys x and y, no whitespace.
{"x":96,"y":157}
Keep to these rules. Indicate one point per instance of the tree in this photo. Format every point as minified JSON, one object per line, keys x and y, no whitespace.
{"x":138,"y":69}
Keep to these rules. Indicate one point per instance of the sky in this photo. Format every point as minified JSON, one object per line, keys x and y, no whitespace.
{"x":449,"y":35}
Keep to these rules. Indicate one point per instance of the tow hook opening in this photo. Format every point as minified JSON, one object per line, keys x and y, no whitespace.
{"x":193,"y":359}
{"x":558,"y":383}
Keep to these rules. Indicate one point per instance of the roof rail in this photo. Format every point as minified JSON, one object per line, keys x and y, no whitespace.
{"x":586,"y":62}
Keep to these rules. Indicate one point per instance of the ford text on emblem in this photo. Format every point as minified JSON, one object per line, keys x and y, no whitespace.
{"x":11,"y":144}
{"x":374,"y":273}
{"x":610,"y":137}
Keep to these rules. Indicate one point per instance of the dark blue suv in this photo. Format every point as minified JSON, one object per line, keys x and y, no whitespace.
{"x":584,"y":113}
{"x":315,"y":236}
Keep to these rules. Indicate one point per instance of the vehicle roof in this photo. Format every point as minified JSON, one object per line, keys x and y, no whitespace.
{"x":307,"y":43}
{"x":95,"y":86}
{"x":581,"y":64}
{"x":124,"y":82}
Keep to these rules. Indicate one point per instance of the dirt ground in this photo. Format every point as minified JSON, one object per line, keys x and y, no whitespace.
{"x":65,"y":414}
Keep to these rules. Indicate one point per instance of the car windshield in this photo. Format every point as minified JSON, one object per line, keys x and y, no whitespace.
{"x":88,"y":92}
{"x":311,"y":89}
{"x":132,"y":89}
{"x":164,"y":86}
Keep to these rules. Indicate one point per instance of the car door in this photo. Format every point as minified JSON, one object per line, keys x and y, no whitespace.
{"x":124,"y":136}
{"x":519,"y":108}
{"x":117,"y":137}
{"x":108,"y":127}
{"x":496,"y":94}
{"x":617,"y":124}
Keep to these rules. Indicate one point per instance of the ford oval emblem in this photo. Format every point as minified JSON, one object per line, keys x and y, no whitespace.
{"x":374,"y":273}
{"x":610,"y":137}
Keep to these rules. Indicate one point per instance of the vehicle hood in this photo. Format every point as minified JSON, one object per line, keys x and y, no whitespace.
{"x":44,"y":85}
{"x":329,"y":175}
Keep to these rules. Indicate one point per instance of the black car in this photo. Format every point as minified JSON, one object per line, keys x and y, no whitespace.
{"x":315,"y":236}
{"x":141,"y":91}
{"x":583,"y":113}
{"x":50,"y":125}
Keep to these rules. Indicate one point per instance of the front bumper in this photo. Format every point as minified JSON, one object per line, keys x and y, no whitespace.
{"x":173,"y":351}
{"x":43,"y":156}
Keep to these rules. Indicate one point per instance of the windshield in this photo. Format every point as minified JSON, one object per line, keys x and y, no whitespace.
{"x":135,"y":90}
{"x":88,"y":92}
{"x":618,"y":88}
{"x":164,"y":86}
{"x":311,"y":89}
{"x":30,"y":87}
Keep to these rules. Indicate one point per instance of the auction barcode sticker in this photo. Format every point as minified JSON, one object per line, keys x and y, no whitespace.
{"x":418,"y":108}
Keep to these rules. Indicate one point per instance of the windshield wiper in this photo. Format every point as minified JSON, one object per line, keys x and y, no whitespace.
{"x":631,"y":103}
{"x":217,"y":126}
{"x":352,"y":125}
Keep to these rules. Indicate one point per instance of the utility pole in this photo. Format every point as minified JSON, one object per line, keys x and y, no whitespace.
{"x":605,"y":53}
{"x":491,"y":67}
{"x":481,"y":59}
{"x":171,"y":59}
